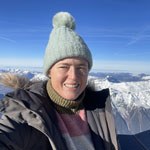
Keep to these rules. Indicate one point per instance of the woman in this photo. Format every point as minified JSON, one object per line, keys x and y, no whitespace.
{"x":62,"y":113}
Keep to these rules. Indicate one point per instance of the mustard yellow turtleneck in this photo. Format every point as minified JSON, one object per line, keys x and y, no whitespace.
{"x":63,"y":105}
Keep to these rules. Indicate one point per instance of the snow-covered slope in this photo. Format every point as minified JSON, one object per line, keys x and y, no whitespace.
{"x":131,"y":104}
{"x":130,"y":100}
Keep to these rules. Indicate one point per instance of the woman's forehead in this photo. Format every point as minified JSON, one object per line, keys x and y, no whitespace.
{"x":73,"y":61}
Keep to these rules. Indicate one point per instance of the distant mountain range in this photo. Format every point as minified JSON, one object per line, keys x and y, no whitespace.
{"x":121,"y":77}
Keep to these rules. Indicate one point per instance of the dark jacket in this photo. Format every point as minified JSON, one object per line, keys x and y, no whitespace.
{"x":29,"y":121}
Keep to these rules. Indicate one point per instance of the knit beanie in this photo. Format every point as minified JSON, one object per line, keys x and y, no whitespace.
{"x":64,"y":42}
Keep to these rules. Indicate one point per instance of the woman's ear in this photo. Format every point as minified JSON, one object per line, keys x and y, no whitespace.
{"x":49,"y":73}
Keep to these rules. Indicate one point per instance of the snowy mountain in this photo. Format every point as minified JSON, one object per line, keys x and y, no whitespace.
{"x":130,"y":97}
{"x":131,"y":105}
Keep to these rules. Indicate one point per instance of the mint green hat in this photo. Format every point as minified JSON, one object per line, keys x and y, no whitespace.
{"x":64,"y":42}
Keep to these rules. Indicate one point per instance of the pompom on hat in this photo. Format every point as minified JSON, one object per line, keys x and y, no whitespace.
{"x":64,"y":42}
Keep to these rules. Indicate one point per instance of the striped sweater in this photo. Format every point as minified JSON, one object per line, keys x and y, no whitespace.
{"x":72,"y":121}
{"x":75,"y":131}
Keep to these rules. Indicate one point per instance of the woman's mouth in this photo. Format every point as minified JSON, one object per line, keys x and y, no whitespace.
{"x":71,"y":85}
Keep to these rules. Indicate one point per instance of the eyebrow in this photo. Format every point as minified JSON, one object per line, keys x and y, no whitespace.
{"x":80,"y":64}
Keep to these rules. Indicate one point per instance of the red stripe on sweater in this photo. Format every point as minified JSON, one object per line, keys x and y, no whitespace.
{"x":74,"y":125}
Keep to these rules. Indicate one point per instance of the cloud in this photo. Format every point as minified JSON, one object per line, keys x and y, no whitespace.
{"x":106,"y":35}
{"x":133,"y":54}
{"x":7,"y":39}
{"x":140,"y":35}
{"x":123,"y":66}
{"x":127,"y":35}
{"x":24,"y":62}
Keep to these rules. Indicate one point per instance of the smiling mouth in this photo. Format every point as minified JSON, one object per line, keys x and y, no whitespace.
{"x":71,"y":85}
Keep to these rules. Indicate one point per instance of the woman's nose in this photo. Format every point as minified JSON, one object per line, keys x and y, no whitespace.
{"x":73,"y":73}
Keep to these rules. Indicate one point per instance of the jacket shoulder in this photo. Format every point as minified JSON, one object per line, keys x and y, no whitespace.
{"x":96,"y":99}
{"x":31,"y":98}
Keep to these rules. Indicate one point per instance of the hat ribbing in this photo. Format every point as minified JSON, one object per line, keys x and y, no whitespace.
{"x":64,"y":42}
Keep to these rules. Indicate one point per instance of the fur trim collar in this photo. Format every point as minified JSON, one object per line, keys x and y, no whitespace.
{"x":14,"y":81}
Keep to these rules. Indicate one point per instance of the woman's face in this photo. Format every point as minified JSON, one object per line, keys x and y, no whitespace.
{"x":69,"y":77}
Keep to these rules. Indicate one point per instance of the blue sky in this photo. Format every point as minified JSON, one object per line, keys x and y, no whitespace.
{"x":116,"y":31}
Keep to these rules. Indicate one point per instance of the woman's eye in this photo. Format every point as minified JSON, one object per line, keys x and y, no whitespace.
{"x":63,"y":67}
{"x":83,"y":70}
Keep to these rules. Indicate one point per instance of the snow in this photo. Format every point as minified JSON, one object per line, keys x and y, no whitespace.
{"x":146,"y":78}
{"x":129,"y":94}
